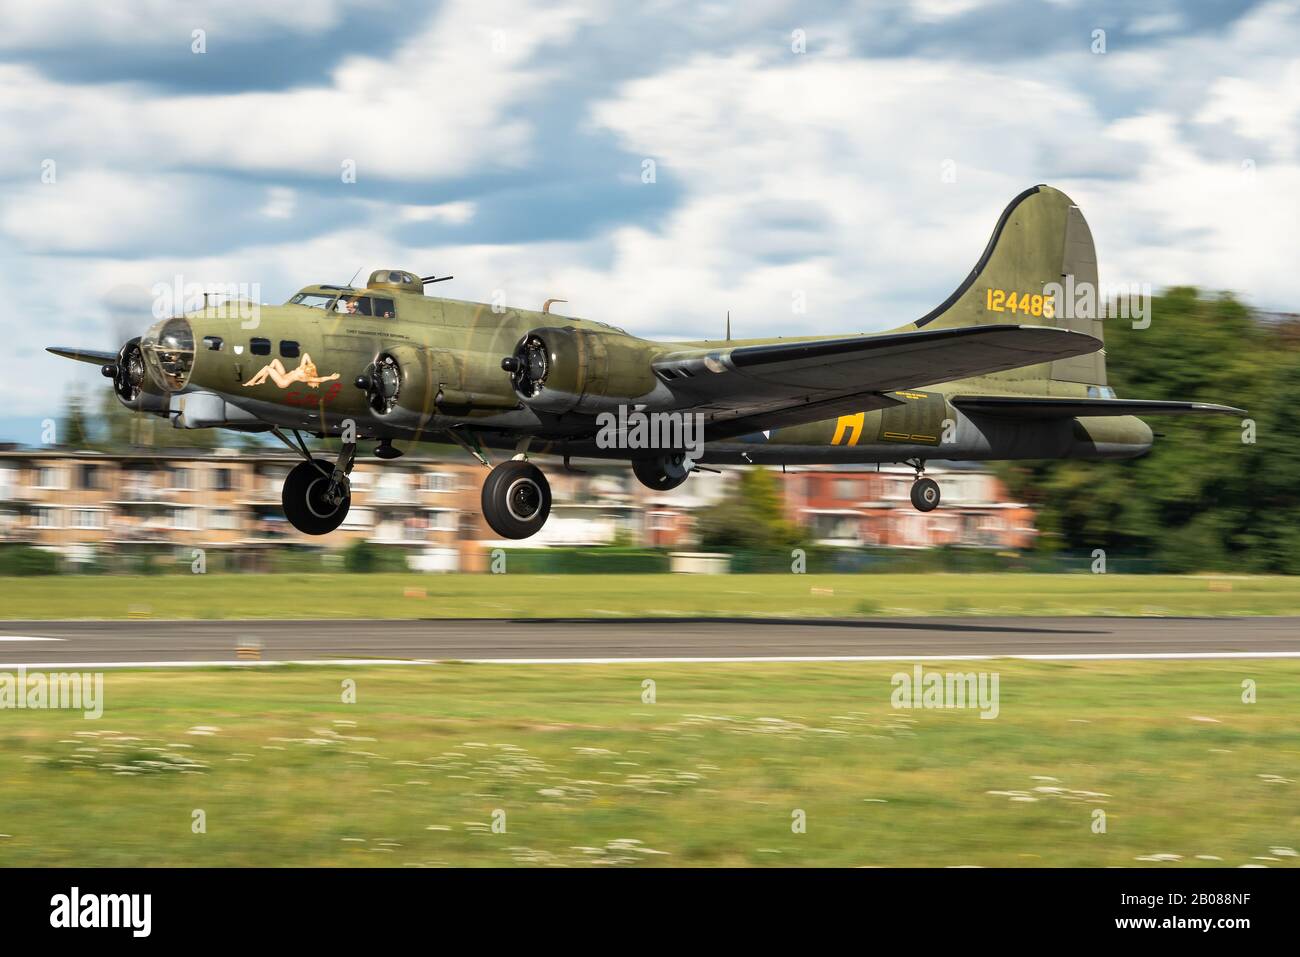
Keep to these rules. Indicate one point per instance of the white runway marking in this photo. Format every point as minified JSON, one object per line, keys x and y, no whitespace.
{"x":86,"y":665}
{"x":751,"y":659}
{"x":26,"y":638}
{"x":758,"y":659}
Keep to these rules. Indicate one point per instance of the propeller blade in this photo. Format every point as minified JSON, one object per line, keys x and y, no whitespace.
{"x":84,"y":355}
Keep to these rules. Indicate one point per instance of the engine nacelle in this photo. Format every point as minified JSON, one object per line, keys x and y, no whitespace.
{"x":567,"y":369}
{"x":399,"y":386}
{"x":131,"y":382}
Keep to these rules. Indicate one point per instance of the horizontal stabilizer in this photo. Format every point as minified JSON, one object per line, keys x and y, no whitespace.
{"x":84,"y":355}
{"x":1025,"y":407}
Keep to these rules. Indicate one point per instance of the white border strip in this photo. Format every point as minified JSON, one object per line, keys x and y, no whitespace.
{"x":750,"y":659}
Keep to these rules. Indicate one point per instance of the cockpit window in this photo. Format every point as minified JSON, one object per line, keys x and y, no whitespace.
{"x":313,"y":299}
{"x":384,"y":308}
{"x":354,"y":305}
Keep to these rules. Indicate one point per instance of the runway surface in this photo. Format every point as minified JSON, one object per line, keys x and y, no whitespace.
{"x":540,"y":641}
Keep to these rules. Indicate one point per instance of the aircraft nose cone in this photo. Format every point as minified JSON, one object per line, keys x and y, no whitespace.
{"x":168,"y":349}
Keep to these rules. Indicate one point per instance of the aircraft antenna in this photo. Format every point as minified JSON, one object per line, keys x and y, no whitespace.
{"x":728,"y":325}
{"x":354,"y":276}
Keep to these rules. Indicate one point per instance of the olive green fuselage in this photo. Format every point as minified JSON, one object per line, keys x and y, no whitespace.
{"x":450,"y":353}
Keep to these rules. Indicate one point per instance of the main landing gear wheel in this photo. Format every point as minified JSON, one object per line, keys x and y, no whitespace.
{"x":925,"y":494}
{"x":516,"y":499}
{"x":309,"y":504}
{"x":662,"y":474}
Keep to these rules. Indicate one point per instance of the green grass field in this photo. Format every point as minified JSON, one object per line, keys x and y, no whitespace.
{"x":494,"y":596}
{"x":585,"y":772}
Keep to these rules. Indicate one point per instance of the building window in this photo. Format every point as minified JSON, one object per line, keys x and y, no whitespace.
{"x":88,"y":477}
{"x":185,"y":518}
{"x":49,"y":476}
{"x":223,"y":519}
{"x":439,"y":482}
{"x":180,"y":478}
{"x":661,"y":521}
{"x":391,"y":487}
{"x":223,"y":480}
{"x":442,"y":520}
{"x":846,"y":488}
{"x":259,"y":347}
{"x":46,"y":518}
{"x":359,"y":518}
{"x":87,"y":518}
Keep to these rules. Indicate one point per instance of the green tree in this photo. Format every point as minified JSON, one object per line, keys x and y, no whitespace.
{"x":751,"y":516}
{"x":1202,"y":499}
{"x":73,"y":429}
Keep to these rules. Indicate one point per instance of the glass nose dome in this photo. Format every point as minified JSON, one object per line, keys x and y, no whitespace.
{"x":168,"y":349}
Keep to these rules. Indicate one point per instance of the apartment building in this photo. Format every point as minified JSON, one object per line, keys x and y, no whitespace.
{"x":85,"y":504}
{"x":860,"y":507}
{"x":89,"y":505}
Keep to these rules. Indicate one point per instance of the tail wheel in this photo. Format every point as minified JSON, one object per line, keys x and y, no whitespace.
{"x":925,"y":495}
{"x":516,"y":499}
{"x":308,"y":505}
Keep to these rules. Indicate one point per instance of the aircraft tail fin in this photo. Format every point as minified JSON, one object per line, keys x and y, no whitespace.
{"x":1041,"y":238}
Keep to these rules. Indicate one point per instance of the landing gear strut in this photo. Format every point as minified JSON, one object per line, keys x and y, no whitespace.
{"x":516,"y":499}
{"x":925,"y":492}
{"x":316,"y":496}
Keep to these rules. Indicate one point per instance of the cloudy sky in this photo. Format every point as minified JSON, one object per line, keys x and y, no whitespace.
{"x":850,"y":156}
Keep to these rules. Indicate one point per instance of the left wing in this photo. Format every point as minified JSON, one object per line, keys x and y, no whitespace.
{"x":728,"y":382}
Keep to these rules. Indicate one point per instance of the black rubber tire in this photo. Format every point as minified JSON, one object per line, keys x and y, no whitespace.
{"x":925,"y":495}
{"x":650,"y":473}
{"x":516,"y":499}
{"x":303,"y":499}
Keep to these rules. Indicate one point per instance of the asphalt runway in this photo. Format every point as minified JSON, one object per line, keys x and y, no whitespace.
{"x":541,"y":641}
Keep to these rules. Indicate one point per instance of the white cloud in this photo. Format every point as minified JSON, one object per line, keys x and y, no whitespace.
{"x":98,"y":209}
{"x":280,"y":203}
{"x":436,"y":107}
{"x":1261,"y":108}
{"x":777,"y":174}
{"x":56,"y":24}
{"x":455,"y":214}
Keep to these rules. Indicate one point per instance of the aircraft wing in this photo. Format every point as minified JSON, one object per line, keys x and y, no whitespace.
{"x":83,"y":355}
{"x":802,"y":380}
{"x":1025,"y":407}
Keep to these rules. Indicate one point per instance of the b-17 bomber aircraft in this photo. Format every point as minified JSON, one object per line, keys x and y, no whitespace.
{"x":1004,"y":368}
